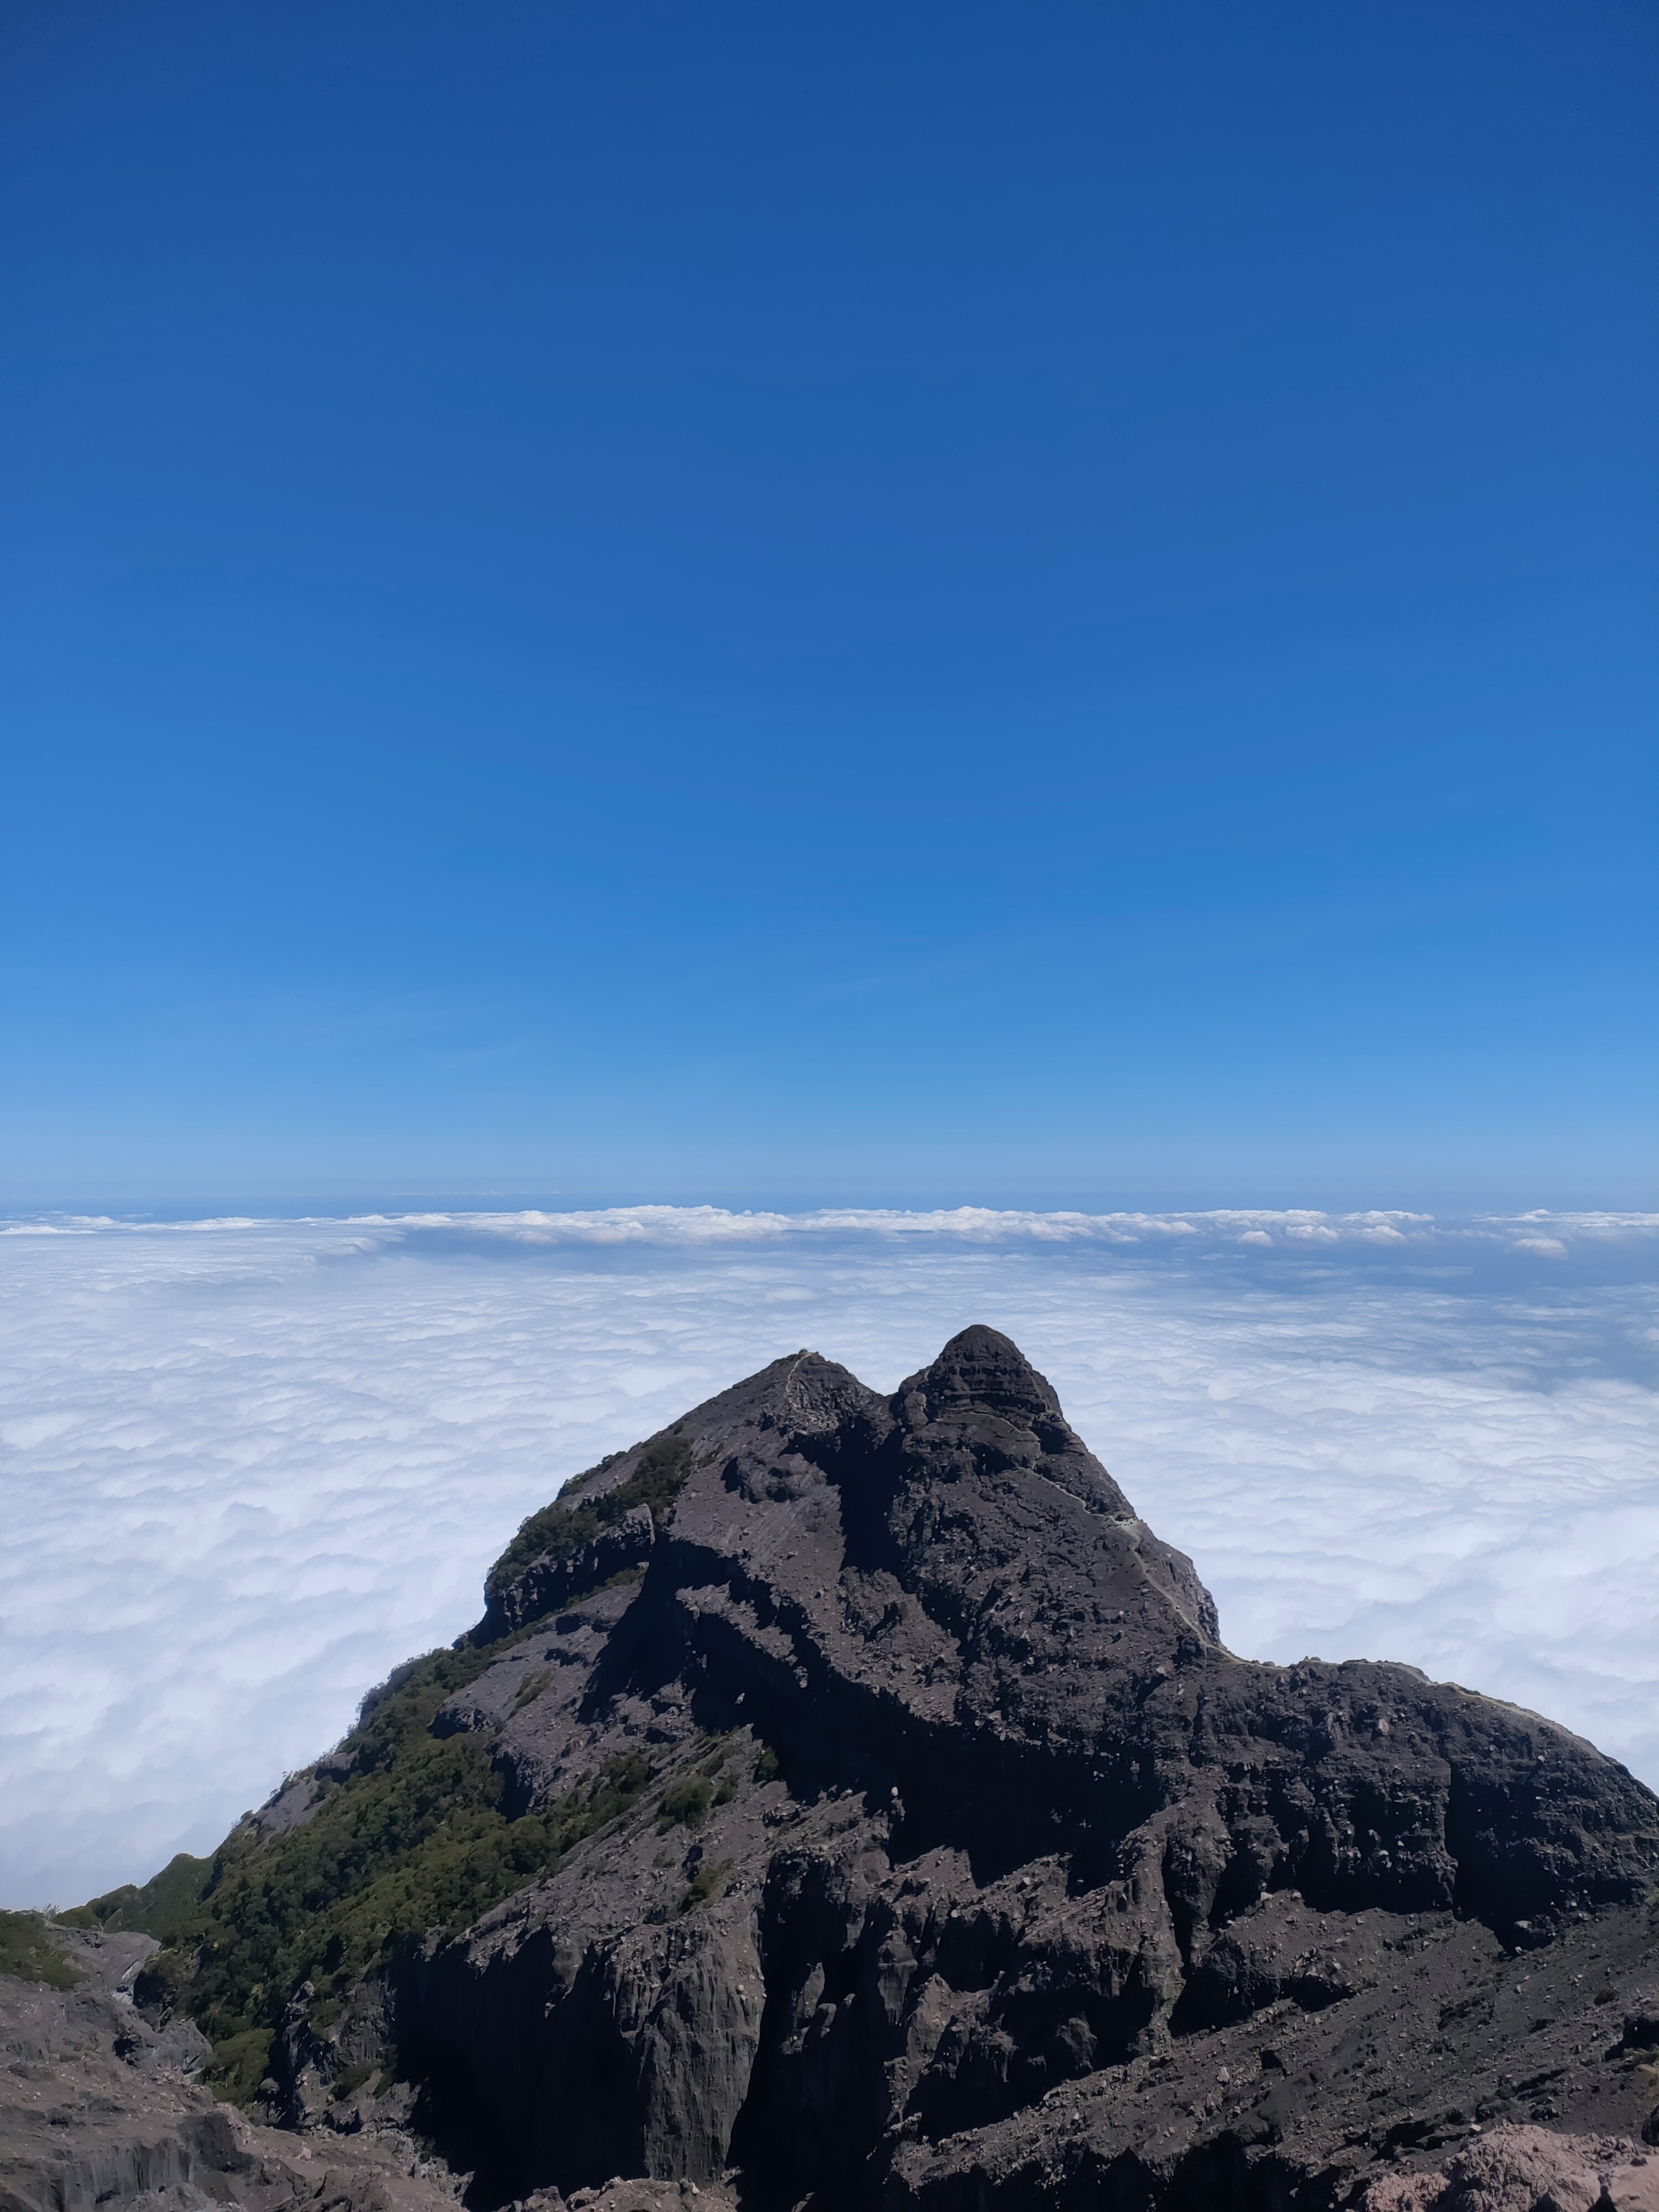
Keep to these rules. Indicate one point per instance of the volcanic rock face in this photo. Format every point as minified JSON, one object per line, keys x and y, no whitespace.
{"x":99,"y":2107}
{"x":1039,"y":1848}
{"x":973,"y":1871}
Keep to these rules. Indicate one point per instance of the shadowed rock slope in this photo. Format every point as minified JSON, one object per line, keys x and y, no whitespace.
{"x":850,"y":1796}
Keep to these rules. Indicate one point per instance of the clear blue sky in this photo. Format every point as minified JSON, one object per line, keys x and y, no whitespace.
{"x":1029,"y":603}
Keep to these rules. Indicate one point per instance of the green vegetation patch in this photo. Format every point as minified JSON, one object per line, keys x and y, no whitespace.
{"x":684,"y":1803}
{"x":560,"y":1529}
{"x":716,"y":1769}
{"x":162,"y":1904}
{"x":351,"y":2078}
{"x":703,"y":1885}
{"x":532,"y":1687}
{"x":26,"y":1953}
{"x":412,"y":1839}
{"x":238,"y":2066}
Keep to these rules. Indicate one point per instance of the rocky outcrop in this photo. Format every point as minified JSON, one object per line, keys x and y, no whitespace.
{"x":99,"y":2107}
{"x":1527,"y":2169}
{"x":1000,"y":1850}
{"x":545,"y":1585}
{"x":960,"y":1868}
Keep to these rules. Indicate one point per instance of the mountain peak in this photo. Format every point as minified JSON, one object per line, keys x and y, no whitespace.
{"x":982,"y":1369}
{"x":854,"y":1791}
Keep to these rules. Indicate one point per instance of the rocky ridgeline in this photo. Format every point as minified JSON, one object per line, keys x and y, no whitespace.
{"x":908,"y":1838}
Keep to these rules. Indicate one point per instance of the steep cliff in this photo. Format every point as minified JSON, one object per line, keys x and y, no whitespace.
{"x":851,"y":1795}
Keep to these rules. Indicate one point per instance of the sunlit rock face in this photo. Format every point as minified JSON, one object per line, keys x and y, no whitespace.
{"x":995,"y":1825}
{"x":852,"y":1798}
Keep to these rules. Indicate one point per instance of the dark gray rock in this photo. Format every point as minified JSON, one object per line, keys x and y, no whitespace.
{"x":974,"y":1874}
{"x":99,"y":2108}
{"x":547,"y":1584}
{"x":1022,"y":1884}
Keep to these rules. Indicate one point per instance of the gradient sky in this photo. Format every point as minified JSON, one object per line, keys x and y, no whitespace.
{"x":1040,"y":603}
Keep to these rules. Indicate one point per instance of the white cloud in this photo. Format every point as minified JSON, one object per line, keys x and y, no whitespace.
{"x":247,"y":1465}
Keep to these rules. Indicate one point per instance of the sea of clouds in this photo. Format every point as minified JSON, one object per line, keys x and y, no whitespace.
{"x":246,"y":1466}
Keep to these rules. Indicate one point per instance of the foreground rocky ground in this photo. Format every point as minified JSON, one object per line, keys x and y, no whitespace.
{"x":876,"y":1818}
{"x":99,"y":2106}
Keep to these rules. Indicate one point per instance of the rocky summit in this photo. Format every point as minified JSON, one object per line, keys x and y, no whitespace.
{"x":848,"y":1800}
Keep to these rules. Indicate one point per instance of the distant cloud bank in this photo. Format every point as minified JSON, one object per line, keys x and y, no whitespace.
{"x":248,"y":1465}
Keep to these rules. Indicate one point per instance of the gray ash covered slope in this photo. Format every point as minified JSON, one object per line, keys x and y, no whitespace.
{"x":98,"y":2106}
{"x":1051,"y":1899}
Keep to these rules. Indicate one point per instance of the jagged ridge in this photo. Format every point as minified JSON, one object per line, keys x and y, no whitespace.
{"x":992,"y":1817}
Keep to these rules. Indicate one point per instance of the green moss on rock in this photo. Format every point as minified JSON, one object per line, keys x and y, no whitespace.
{"x":702,"y":1886}
{"x":412,"y":1839}
{"x":154,"y":1908}
{"x":28,"y":1953}
{"x":561,"y":1528}
{"x":684,"y":1803}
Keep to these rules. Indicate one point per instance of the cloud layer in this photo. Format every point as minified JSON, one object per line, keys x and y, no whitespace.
{"x":247,"y":1465}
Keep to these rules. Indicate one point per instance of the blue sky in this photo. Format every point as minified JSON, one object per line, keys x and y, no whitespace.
{"x":1045,"y":604}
